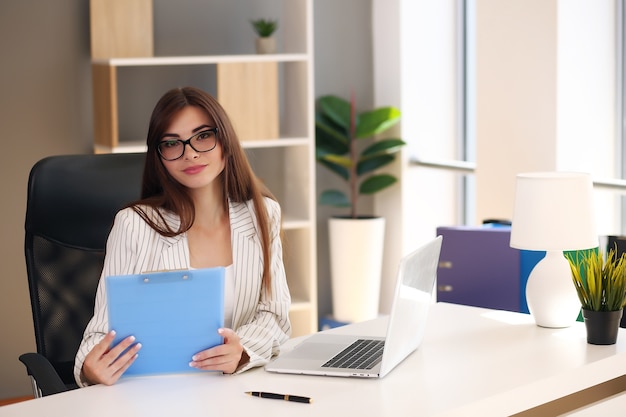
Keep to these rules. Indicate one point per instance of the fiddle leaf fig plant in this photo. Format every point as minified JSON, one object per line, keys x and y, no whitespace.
{"x":337,"y":129}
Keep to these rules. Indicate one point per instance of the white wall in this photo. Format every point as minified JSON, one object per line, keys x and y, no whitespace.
{"x":516,"y":103}
{"x":546,"y":97}
{"x":415,"y":69}
{"x":587,"y":94}
{"x":45,"y":109}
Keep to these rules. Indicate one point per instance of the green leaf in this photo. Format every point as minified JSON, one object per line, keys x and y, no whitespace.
{"x":329,"y":133}
{"x":343,"y":161}
{"x":369,"y":165}
{"x":337,"y":169}
{"x":334,"y":198}
{"x":336,"y":109}
{"x":264,"y":27}
{"x":381,"y":147}
{"x":376,"y":121}
{"x":599,"y":281}
{"x":376,"y":183}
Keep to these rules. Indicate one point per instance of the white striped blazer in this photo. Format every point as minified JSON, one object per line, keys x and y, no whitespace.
{"x":261,"y":320}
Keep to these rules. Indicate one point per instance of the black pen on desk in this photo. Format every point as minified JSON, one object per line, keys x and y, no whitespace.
{"x":286,"y":397}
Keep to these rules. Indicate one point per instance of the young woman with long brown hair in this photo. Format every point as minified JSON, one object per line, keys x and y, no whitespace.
{"x":201,"y":206}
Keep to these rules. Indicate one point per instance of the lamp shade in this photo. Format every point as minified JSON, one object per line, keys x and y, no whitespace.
{"x":553,"y":211}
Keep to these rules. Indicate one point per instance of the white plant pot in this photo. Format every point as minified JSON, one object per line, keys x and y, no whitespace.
{"x":356,"y":257}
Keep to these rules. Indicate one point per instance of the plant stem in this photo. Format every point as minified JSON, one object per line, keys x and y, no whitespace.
{"x":353,"y":156}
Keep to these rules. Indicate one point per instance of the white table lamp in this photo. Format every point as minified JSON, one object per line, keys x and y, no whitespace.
{"x":553,"y":212}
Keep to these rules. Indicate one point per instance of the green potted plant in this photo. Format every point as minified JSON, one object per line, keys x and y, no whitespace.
{"x":600,"y":282}
{"x":265,"y":28}
{"x":338,"y":129}
{"x":355,"y":241}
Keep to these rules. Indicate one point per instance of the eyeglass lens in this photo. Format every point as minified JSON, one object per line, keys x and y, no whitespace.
{"x":205,"y":141}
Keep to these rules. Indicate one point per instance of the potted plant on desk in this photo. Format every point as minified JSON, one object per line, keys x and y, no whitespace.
{"x":355,"y":241}
{"x":601,"y":286}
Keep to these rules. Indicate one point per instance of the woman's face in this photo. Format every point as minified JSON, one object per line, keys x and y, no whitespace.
{"x":195,"y":170}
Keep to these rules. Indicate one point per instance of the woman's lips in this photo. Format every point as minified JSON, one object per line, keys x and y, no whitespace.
{"x":194,"y":169}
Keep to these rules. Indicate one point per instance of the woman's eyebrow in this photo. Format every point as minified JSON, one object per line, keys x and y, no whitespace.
{"x":170,"y":135}
{"x":175,"y":135}
{"x":197,"y":129}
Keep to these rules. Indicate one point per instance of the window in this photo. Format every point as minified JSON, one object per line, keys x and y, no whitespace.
{"x":589,"y":131}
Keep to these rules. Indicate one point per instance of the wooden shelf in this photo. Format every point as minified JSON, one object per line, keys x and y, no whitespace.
{"x":198,"y":60}
{"x":140,"y":145}
{"x":277,"y":129}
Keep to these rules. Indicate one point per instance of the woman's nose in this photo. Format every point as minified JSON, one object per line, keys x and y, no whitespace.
{"x":189,"y":152}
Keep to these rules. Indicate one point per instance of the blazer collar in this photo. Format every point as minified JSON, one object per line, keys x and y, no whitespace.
{"x":243,"y":234}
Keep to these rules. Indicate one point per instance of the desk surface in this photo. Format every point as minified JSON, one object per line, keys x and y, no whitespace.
{"x":473,"y":362}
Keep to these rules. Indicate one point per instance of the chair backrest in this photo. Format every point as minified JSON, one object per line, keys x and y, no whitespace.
{"x":71,"y":203}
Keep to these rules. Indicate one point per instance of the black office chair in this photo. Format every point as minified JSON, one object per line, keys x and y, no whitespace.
{"x":71,"y":203}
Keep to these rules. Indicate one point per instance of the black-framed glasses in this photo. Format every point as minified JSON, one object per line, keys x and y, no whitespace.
{"x":204,"y":141}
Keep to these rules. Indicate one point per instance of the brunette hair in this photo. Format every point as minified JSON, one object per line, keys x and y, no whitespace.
{"x":239,"y":183}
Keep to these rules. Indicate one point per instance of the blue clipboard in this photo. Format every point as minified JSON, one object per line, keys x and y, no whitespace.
{"x":173,"y":314}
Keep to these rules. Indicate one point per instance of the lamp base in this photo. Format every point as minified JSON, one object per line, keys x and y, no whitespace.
{"x":550,"y":292}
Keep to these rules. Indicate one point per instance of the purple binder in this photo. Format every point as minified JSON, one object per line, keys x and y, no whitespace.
{"x":479,"y":268}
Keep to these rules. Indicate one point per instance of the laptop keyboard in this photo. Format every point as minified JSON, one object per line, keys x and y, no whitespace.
{"x":362,"y":354}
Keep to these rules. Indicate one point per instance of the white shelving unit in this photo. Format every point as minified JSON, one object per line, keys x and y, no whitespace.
{"x":285,"y":160}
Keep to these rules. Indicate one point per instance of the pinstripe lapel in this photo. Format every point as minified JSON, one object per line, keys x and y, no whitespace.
{"x":174,"y":250}
{"x":247,"y":256}
{"x":175,"y":253}
{"x":243,"y":232}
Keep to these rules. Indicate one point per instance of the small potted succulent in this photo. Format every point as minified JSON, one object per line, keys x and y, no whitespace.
{"x":600,"y":282}
{"x":265,"y":28}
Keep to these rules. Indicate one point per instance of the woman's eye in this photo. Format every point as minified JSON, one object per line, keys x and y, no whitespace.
{"x":169,"y":143}
{"x":204,"y":135}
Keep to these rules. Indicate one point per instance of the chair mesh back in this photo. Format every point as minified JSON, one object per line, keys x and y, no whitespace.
{"x":66,"y":281}
{"x":71,"y":204}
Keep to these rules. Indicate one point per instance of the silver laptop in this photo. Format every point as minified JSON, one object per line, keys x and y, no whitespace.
{"x":373,"y":357}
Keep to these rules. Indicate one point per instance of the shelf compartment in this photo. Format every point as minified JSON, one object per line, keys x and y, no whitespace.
{"x":281,"y":107}
{"x":248,"y":91}
{"x":295,"y":244}
{"x":121,"y":28}
{"x":303,"y":321}
{"x":289,"y":174}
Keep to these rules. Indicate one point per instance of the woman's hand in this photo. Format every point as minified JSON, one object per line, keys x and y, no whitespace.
{"x":226,"y":357}
{"x":104,"y":365}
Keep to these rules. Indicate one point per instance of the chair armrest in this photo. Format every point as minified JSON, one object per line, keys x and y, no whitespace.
{"x":43,"y":373}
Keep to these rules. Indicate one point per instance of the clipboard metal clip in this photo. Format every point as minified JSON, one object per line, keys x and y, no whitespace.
{"x":184,"y":277}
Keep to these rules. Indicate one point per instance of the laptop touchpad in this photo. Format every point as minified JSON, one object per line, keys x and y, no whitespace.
{"x":316,"y":351}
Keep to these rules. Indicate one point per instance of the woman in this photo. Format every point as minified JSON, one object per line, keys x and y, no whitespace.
{"x":201,"y":207}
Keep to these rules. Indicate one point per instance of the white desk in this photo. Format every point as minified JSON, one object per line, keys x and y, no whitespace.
{"x":472,"y":362}
{"x":612,"y":406}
